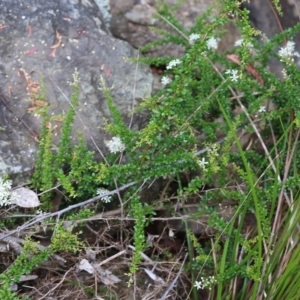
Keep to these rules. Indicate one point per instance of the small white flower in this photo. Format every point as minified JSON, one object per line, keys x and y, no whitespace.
{"x":165,"y":80}
{"x":212,"y":43}
{"x":239,"y":43}
{"x":105,"y":199}
{"x":115,"y":145}
{"x":288,"y":51}
{"x":202,"y":163}
{"x":198,"y":285}
{"x":173,"y":63}
{"x":233,"y":74}
{"x":39,"y":212}
{"x":262,"y":109}
{"x":194,"y":37}
{"x":285,"y":74}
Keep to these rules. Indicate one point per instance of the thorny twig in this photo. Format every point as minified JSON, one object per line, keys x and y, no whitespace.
{"x":57,"y":285}
{"x":175,"y":279}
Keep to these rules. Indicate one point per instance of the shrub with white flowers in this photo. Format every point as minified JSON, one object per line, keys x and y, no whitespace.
{"x":210,"y":103}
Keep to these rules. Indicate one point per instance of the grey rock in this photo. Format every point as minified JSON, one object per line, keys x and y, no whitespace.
{"x":46,"y":43}
{"x":130,"y":21}
{"x":141,"y":14}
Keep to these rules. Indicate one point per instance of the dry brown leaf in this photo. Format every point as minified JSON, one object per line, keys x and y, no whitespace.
{"x":58,"y":37}
{"x":24,"y":197}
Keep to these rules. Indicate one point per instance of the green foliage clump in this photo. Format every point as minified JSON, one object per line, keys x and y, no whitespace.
{"x":52,"y":164}
{"x":32,"y":256}
{"x":65,"y":240}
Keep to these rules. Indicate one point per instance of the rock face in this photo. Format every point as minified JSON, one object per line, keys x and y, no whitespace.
{"x":43,"y":43}
{"x":131,"y":19}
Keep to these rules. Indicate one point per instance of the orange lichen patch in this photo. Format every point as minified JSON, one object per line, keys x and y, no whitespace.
{"x":58,"y":43}
{"x":9,"y":90}
{"x":107,"y":71}
{"x":32,"y":51}
{"x":33,"y":88}
{"x":53,"y":52}
{"x":37,"y":104}
{"x":26,"y":75}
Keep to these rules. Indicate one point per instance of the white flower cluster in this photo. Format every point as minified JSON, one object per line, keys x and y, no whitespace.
{"x":239,"y":43}
{"x":115,"y":145}
{"x":233,"y":75}
{"x":173,"y":63}
{"x":212,"y":43}
{"x":105,"y":199}
{"x":205,"y":282}
{"x":288,"y":51}
{"x":6,"y":197}
{"x":165,"y":80}
{"x":194,"y":37}
{"x":262,"y":109}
